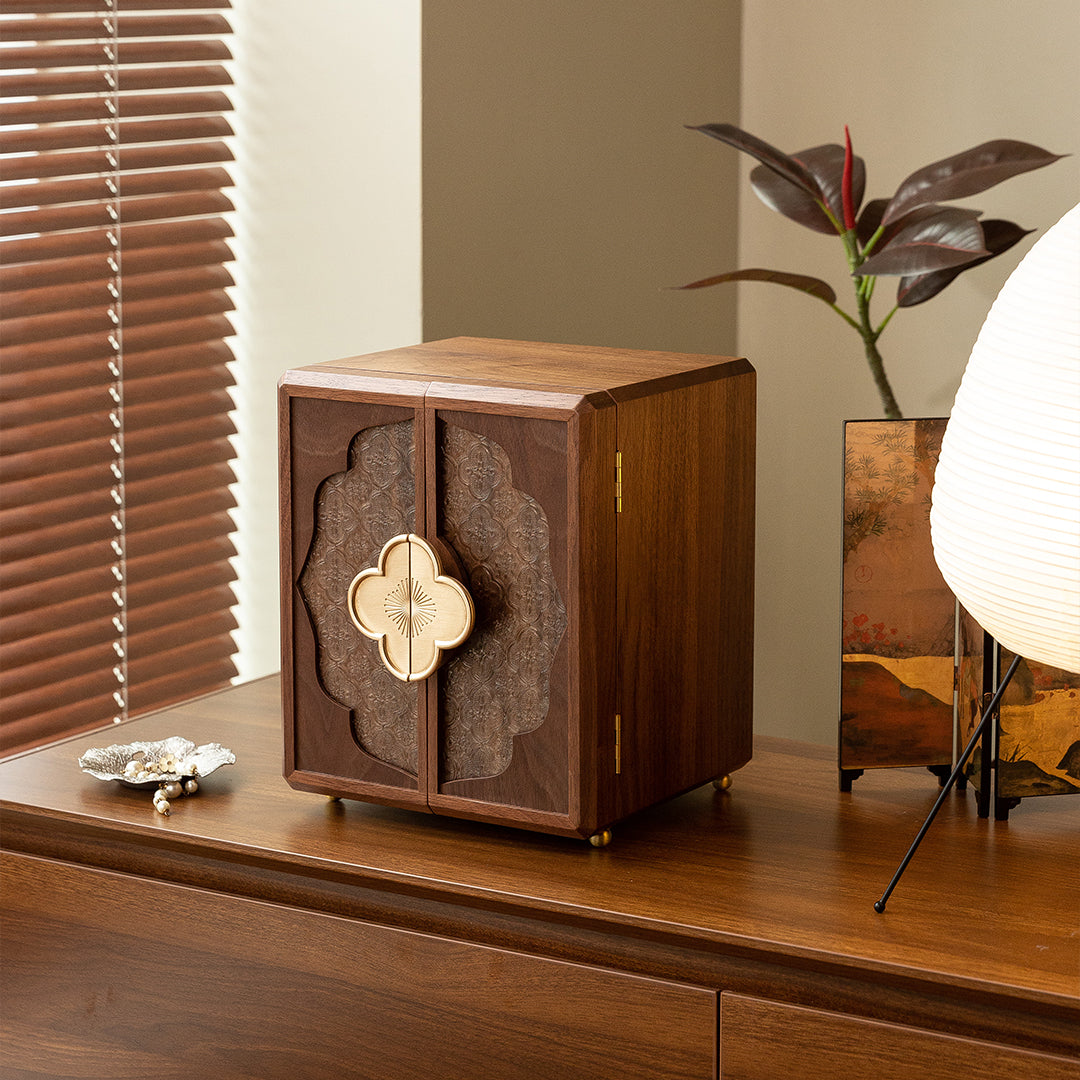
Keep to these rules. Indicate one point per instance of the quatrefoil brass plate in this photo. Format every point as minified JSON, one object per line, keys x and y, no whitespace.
{"x":411,"y":606}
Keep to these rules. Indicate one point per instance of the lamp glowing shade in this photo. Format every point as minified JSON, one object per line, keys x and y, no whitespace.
{"x":1005,"y":519}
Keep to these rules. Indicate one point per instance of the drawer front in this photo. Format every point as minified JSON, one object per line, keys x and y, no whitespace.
{"x":764,"y":1040}
{"x":108,"y":975}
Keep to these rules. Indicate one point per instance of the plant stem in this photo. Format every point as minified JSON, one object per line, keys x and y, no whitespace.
{"x":873,"y":357}
{"x":864,"y":289}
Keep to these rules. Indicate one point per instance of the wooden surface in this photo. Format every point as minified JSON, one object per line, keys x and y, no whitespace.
{"x":764,"y":891}
{"x":553,"y":367}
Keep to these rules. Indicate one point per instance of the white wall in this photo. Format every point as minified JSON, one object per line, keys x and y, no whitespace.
{"x":328,"y":223}
{"x":915,"y":82}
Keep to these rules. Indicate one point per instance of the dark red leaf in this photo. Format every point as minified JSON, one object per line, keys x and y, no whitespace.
{"x":826,"y":165}
{"x":782,"y":164}
{"x":999,"y":236}
{"x":967,"y":173}
{"x":950,"y":236}
{"x":815,"y":287}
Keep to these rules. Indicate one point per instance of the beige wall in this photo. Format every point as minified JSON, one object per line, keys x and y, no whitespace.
{"x":561,"y":191}
{"x":915,"y":82}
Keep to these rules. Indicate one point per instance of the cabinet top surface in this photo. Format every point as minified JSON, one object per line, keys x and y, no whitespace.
{"x":536,"y":365}
{"x":782,"y":863}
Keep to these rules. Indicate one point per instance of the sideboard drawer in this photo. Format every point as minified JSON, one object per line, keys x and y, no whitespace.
{"x":136,"y":978}
{"x":765,"y":1040}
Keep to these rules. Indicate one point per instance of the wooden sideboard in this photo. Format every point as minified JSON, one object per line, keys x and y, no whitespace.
{"x":261,"y":932}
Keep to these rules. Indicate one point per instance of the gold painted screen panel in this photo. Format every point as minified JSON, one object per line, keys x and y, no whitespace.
{"x":898,"y":620}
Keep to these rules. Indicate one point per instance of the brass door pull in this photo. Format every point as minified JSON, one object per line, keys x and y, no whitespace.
{"x":411,"y":606}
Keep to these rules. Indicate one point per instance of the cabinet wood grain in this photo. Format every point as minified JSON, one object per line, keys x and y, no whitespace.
{"x":761,"y":1040}
{"x":155,"y":978}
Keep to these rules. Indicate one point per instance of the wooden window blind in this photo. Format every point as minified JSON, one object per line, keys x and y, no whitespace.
{"x":115,"y":579}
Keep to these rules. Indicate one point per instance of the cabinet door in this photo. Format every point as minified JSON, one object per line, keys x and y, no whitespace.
{"x":763,"y":1040}
{"x":351,"y":472}
{"x":502,"y":734}
{"x":109,"y":975}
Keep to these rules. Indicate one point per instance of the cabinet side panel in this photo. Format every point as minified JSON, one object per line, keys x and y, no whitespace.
{"x":685,"y":538}
{"x":351,"y":480}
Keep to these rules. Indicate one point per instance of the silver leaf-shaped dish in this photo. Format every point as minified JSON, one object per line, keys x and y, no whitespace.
{"x":110,"y":762}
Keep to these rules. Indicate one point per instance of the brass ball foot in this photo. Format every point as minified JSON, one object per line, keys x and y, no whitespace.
{"x":722,"y":783}
{"x":601,"y":839}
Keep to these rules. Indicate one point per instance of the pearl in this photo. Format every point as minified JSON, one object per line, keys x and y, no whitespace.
{"x":191,"y":786}
{"x":162,"y":806}
{"x":172,"y":790}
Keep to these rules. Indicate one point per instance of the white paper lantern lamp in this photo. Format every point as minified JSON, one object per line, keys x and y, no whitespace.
{"x":1005,"y":510}
{"x":1005,"y":516}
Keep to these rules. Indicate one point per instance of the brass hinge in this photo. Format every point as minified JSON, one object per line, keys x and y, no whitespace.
{"x":618,"y":744}
{"x":618,"y":481}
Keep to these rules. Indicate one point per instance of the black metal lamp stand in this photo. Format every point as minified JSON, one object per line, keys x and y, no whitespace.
{"x":981,"y":729}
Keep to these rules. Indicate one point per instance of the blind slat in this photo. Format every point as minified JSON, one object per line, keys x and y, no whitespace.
{"x":84,"y":81}
{"x":103,"y":320}
{"x":99,"y":476}
{"x":106,"y":605}
{"x":79,"y":136}
{"x":184,"y":281}
{"x":163,"y":234}
{"x":95,"y":161}
{"x":50,"y":7}
{"x":42,"y":568}
{"x":169,"y":689}
{"x":41,"y":642}
{"x":108,"y":23}
{"x":94,"y":505}
{"x":99,"y":580}
{"x":55,"y":458}
{"x":90,"y":215}
{"x":63,"y":110}
{"x":95,"y":683}
{"x":36,"y":198}
{"x":145,"y":274}
{"x":215,"y":626}
{"x":89,"y":54}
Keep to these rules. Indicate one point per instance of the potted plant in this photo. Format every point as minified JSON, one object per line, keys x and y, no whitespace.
{"x":912,"y":235}
{"x":898,"y":615}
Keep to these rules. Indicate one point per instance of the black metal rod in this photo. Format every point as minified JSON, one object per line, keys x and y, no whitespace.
{"x":987,"y":787}
{"x":879,"y":906}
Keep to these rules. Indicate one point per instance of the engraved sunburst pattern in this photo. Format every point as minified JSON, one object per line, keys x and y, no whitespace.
{"x":409,"y":607}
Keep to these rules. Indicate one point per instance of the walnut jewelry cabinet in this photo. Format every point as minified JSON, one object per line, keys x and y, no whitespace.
{"x":517,"y":579}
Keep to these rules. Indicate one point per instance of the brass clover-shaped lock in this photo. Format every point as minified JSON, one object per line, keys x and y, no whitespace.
{"x":411,"y":607}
